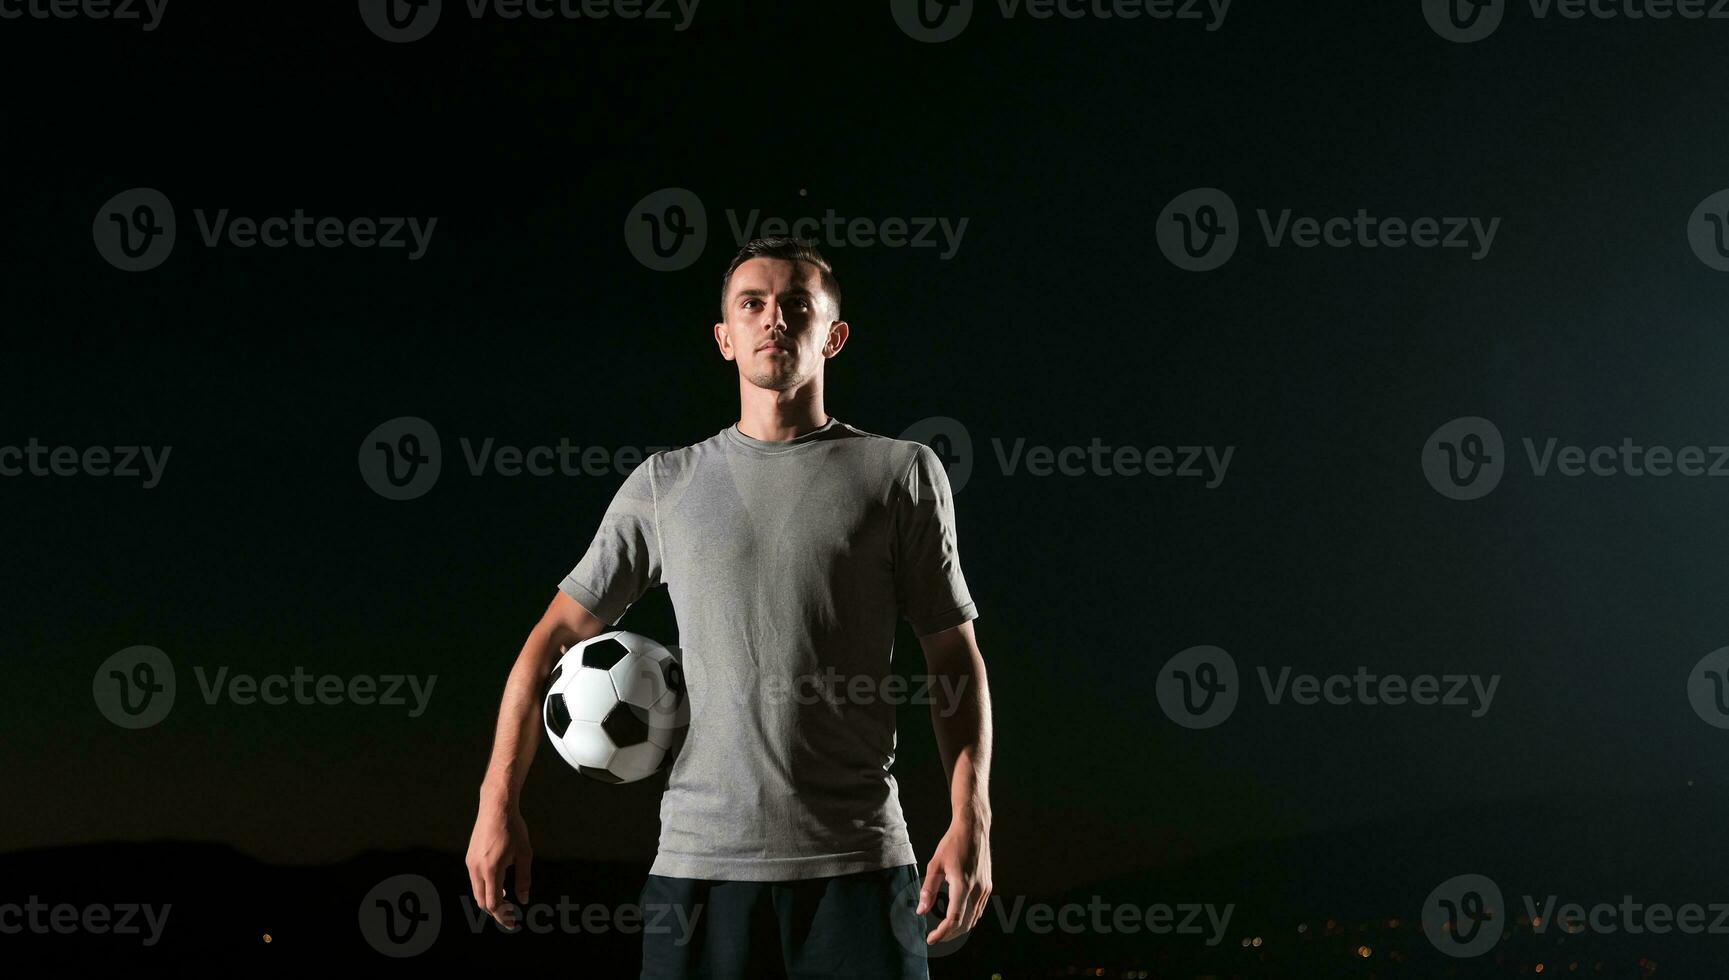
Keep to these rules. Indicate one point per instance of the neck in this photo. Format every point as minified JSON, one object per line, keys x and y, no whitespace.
{"x":776,"y":416}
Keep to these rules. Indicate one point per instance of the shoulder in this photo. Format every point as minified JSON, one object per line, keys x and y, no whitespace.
{"x":896,"y":458}
{"x":668,"y":466}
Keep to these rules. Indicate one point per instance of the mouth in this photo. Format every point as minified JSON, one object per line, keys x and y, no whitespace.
{"x":774,"y":349}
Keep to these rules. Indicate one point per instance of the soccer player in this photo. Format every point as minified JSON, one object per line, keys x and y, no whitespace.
{"x":791,"y":542}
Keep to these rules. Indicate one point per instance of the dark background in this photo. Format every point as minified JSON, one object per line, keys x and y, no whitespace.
{"x":1058,"y":320}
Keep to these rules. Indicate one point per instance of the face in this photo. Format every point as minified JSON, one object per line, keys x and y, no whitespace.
{"x":779,"y":323}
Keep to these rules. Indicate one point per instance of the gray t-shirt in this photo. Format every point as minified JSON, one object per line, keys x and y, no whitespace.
{"x":788,"y":564}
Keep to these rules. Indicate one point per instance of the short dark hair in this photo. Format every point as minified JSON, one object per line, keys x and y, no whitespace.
{"x":782,"y":247}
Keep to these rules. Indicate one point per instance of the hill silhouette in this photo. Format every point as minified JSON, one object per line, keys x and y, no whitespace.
{"x":1340,"y":903}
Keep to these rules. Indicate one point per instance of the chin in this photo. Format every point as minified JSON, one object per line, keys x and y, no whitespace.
{"x":774,"y":382}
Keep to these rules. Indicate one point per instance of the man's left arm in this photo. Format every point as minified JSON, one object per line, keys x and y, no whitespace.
{"x":961,"y":716}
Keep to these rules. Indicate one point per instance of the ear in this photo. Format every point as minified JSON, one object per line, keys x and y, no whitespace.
{"x":837,"y":334}
{"x":723,"y":340}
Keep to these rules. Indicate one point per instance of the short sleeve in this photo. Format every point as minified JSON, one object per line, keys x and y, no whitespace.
{"x":930,"y":590}
{"x":624,"y":559}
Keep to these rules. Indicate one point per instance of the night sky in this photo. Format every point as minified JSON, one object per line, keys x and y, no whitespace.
{"x":1056,"y":320}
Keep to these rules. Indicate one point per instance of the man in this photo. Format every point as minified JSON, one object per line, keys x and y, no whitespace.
{"x":791,"y":543}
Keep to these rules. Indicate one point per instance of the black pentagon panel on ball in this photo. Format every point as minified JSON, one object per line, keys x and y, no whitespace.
{"x":600,"y":774}
{"x":552,"y":678}
{"x":557,"y":714}
{"x":625,"y":725}
{"x":603,"y":654}
{"x":674,"y":675}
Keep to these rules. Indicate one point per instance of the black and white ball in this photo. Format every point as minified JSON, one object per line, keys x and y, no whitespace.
{"x":615,"y":706}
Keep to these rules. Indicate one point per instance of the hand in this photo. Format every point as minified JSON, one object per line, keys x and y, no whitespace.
{"x":500,"y":841}
{"x":962,"y":862}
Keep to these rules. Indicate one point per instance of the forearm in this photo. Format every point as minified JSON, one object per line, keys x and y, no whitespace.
{"x":518,"y":733}
{"x":961,"y":718}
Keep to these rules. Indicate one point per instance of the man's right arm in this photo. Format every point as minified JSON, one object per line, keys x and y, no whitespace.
{"x":500,"y":838}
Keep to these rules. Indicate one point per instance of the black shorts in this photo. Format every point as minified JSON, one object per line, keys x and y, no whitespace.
{"x":854,"y":925}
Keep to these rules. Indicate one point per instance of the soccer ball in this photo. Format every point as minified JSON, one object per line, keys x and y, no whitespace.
{"x":615,"y":706}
